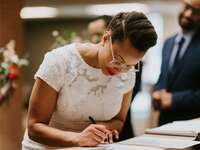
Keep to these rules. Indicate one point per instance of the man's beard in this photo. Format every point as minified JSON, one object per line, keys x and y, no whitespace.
{"x":186,"y":23}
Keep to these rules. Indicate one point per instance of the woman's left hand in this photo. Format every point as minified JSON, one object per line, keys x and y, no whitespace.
{"x":112,"y":135}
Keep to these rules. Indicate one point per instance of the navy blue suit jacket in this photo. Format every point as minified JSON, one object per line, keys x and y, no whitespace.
{"x":184,"y":85}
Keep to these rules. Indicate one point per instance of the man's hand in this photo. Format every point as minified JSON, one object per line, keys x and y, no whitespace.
{"x":161,"y":99}
{"x":156,"y":100}
{"x":166,"y":99}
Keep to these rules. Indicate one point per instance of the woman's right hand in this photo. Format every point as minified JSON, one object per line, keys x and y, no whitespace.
{"x":93,"y":135}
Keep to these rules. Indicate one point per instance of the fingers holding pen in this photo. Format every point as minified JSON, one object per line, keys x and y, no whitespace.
{"x":92,"y":136}
{"x":101,"y":130}
{"x":115,"y":134}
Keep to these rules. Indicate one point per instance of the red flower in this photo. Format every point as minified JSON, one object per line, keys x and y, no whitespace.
{"x":13,"y":71}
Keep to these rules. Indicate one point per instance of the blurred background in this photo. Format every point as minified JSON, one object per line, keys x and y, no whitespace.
{"x":37,"y":26}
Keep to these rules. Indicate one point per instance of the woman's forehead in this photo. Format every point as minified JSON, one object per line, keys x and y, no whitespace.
{"x":125,"y":47}
{"x":125,"y":50}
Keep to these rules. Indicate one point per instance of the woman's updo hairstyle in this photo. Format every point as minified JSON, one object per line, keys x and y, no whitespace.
{"x":134,"y":26}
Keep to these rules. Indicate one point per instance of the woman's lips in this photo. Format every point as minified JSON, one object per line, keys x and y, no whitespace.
{"x":110,"y":71}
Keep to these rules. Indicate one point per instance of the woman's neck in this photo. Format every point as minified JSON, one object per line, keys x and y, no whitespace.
{"x":90,"y":53}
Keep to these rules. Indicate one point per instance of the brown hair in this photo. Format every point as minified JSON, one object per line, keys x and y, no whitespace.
{"x":136,"y":27}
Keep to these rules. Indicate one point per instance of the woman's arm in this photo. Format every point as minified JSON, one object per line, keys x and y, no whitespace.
{"x":43,"y":102}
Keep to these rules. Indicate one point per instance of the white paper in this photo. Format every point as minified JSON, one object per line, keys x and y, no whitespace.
{"x":130,"y":147}
{"x":160,"y":142}
{"x":182,"y":128}
{"x":120,"y":147}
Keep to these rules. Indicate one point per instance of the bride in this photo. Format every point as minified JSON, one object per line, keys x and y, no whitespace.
{"x":81,"y":82}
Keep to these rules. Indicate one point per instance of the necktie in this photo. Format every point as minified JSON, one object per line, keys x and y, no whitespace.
{"x":177,"y":58}
{"x":176,"y":65}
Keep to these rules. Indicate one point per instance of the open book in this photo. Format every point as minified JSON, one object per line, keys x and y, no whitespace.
{"x":190,"y":128}
{"x":118,"y":147}
{"x":177,"y":135}
{"x":161,"y":142}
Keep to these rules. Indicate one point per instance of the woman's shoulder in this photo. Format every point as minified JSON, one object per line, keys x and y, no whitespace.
{"x":128,"y":79}
{"x":62,"y":54}
{"x":54,"y":65}
{"x":128,"y":75}
{"x":63,"y":51}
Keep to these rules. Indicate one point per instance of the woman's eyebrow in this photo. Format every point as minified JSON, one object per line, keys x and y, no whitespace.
{"x":122,"y":59}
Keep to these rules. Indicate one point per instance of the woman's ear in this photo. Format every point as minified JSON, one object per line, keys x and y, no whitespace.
{"x":106,"y":36}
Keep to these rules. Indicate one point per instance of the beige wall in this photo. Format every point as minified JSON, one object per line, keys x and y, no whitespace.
{"x":170,"y":25}
{"x":11,"y":113}
{"x":39,"y":40}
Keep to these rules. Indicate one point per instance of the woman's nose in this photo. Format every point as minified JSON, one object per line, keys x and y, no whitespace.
{"x":188,"y":13}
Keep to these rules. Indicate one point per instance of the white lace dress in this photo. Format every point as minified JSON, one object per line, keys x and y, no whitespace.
{"x":83,"y":91}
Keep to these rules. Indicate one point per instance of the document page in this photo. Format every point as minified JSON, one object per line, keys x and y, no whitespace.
{"x":182,"y":128}
{"x":160,"y":142}
{"x":121,"y":147}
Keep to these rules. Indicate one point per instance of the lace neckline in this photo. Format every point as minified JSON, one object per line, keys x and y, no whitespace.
{"x":97,"y":70}
{"x":82,"y":60}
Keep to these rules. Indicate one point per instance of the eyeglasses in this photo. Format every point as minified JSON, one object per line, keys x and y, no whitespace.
{"x":120,"y":63}
{"x":195,"y":11}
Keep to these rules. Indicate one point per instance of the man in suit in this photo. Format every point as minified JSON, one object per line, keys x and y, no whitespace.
{"x":177,"y":92}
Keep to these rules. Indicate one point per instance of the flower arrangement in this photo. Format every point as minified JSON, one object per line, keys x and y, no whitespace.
{"x":9,"y":70}
{"x":65,"y":37}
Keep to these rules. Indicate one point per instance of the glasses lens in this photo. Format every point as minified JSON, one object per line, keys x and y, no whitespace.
{"x":116,"y":63}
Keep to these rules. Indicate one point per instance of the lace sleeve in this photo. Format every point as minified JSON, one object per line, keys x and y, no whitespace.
{"x":131,"y":82}
{"x":52,"y":71}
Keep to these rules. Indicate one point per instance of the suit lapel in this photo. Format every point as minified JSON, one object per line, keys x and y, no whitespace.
{"x":190,"y":49}
{"x":168,"y":56}
{"x":186,"y":57}
{"x":167,"y":50}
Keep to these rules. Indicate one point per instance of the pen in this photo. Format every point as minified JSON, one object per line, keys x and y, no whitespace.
{"x":92,"y":120}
